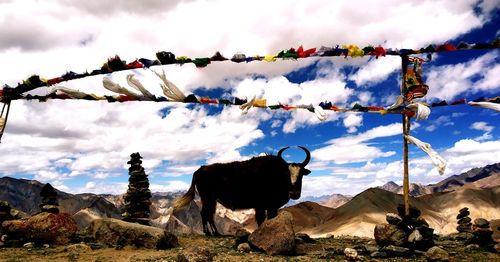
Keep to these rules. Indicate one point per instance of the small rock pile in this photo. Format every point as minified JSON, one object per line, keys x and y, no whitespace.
{"x":138,"y":197}
{"x":410,"y":231}
{"x":482,"y":233}
{"x":49,"y":200}
{"x":464,"y":227}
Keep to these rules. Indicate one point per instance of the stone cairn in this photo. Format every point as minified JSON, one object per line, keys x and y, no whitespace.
{"x":138,"y":197}
{"x":483,"y":235}
{"x":49,"y":200}
{"x":411,"y":231}
{"x":464,"y":227}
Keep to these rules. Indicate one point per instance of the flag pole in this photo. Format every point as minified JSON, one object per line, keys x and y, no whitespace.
{"x":406,"y":131}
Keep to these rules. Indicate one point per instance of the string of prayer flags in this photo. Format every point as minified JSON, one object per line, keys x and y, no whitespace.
{"x":415,"y":87}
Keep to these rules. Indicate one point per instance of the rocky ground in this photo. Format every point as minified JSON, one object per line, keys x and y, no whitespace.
{"x":201,"y":248}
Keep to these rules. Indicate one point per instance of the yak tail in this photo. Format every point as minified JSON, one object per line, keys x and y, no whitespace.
{"x":184,"y":200}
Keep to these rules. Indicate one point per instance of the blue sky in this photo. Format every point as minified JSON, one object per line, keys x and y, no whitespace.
{"x":83,"y":146}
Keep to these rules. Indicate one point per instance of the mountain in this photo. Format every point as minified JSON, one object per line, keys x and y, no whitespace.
{"x":391,"y":187}
{"x":24,"y":195}
{"x":482,"y":177}
{"x":470,"y":177}
{"x":359,"y":216}
{"x":334,"y":200}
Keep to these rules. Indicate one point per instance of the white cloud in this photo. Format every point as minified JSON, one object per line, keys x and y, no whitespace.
{"x":449,"y":81}
{"x":482,"y":126}
{"x":352,"y":121}
{"x":352,"y":149}
{"x":376,"y":70}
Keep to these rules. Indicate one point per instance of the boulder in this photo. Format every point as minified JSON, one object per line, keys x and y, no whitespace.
{"x":43,"y":227}
{"x":386,"y":234}
{"x":275,"y":236}
{"x":116,"y":233}
{"x":437,"y":254}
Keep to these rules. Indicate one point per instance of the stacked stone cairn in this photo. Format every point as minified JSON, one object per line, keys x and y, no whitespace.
{"x":464,"y":227}
{"x":483,"y":235}
{"x":411,"y":232}
{"x":138,"y":197}
{"x":49,"y":202}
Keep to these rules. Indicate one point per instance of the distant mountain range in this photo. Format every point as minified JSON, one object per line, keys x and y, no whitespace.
{"x":478,"y":189}
{"x":484,"y":177}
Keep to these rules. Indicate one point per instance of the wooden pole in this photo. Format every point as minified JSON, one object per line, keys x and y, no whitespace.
{"x":406,"y":179}
{"x":406,"y":131}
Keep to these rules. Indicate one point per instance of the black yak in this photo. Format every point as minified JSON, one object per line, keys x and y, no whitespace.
{"x":264,"y":183}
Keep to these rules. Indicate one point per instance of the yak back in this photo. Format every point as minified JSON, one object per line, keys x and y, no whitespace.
{"x":259,"y":182}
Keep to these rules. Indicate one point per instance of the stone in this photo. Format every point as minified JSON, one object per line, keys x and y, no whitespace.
{"x":426,"y":232}
{"x":482,"y":232}
{"x":78,"y":248}
{"x":415,"y":236}
{"x":481,"y":223}
{"x":464,"y":236}
{"x":437,"y":254}
{"x":463,"y":210}
{"x":371,"y":248}
{"x":350,"y":253}
{"x":414,"y":212}
{"x":393,"y":219}
{"x":113,"y":232}
{"x":378,"y":254}
{"x":241,"y":235}
{"x":464,"y":227}
{"x":463,"y":214}
{"x":43,"y":227}
{"x":244,"y":248}
{"x":275,"y":236}
{"x":195,"y":254}
{"x":464,"y":220}
{"x":386,"y":234}
{"x":396,"y":251}
{"x":471,"y":247}
{"x":497,"y":248}
{"x":305,"y":237}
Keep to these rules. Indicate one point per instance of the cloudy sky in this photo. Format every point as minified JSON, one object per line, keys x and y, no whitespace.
{"x":83,"y":146}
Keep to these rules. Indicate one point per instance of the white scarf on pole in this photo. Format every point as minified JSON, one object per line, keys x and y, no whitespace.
{"x":438,"y":161}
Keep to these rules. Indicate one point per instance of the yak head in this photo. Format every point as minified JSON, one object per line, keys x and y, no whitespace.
{"x":296,"y":171}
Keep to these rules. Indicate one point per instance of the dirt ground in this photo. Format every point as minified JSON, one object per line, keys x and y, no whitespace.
{"x":222,"y":249}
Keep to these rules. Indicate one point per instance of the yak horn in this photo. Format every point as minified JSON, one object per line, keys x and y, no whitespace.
{"x":281,"y":151}
{"x":308,"y":156}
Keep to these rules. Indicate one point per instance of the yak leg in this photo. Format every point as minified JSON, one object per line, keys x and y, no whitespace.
{"x":207,"y":217}
{"x":260,"y":215}
{"x":271,"y":213}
